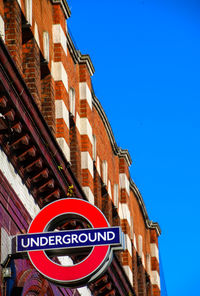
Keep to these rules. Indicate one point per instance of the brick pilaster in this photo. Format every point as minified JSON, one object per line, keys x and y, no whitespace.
{"x":135,"y":271}
{"x":13,"y":31}
{"x":59,"y":17}
{"x":125,"y":216}
{"x":86,"y":133}
{"x":155,"y":273}
{"x":31,"y":64}
{"x":141,"y":279}
{"x":75,"y":150}
{"x":60,"y":76}
{"x":97,"y":189}
{"x":48,"y":97}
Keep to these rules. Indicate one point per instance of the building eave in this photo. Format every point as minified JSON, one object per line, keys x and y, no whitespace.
{"x":85,"y":59}
{"x":149,"y":224}
{"x":78,"y":57}
{"x":117,"y":150}
{"x":124,"y":154}
{"x":72,"y":49}
{"x":64,"y":6}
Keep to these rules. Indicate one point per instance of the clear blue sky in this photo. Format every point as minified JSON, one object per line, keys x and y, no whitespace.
{"x":146,"y":54}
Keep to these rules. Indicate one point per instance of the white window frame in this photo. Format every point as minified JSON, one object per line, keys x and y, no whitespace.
{"x":148,"y":261}
{"x":105,"y":172}
{"x":46,"y":45}
{"x":140,"y":245}
{"x":116,"y":195}
{"x":72,"y":101}
{"x":28,"y":7}
{"x":2,"y":28}
{"x":132,"y":231}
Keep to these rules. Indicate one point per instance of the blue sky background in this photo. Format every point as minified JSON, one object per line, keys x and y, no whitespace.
{"x":146,"y":55}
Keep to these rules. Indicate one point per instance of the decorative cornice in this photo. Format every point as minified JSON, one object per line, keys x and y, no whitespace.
{"x":149,"y":224}
{"x":78,"y":57}
{"x":117,"y":150}
{"x":64,"y":6}
{"x":72,"y":49}
{"x":85,"y":59}
{"x":125,"y":154}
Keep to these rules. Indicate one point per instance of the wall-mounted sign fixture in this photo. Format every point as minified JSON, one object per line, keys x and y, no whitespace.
{"x":98,"y":241}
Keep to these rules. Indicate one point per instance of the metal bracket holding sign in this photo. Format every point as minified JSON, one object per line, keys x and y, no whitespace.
{"x":6,"y":247}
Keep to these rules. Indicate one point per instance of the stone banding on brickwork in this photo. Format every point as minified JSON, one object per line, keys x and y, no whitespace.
{"x":59,"y":37}
{"x":42,"y":164}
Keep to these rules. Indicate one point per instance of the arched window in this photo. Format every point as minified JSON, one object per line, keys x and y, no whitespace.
{"x":72,"y":101}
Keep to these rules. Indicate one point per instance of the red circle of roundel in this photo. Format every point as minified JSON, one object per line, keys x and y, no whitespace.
{"x":83,"y":270}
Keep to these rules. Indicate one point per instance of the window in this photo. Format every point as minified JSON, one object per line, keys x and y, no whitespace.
{"x":140,"y":245}
{"x":132,"y":232}
{"x":28,"y":6}
{"x":94,"y":147}
{"x":2,"y":28}
{"x":72,"y":101}
{"x":46,"y":45}
{"x":105,"y":172}
{"x":116,"y":195}
{"x":109,"y":190}
{"x":148,"y":260}
{"x":98,"y":166}
{"x":36,"y":34}
{"x":134,"y":241}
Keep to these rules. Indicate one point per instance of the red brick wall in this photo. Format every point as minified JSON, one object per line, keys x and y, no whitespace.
{"x":13,"y":30}
{"x":31,"y":65}
{"x":29,"y":58}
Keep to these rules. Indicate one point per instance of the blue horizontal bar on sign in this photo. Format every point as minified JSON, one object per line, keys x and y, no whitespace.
{"x":70,"y":239}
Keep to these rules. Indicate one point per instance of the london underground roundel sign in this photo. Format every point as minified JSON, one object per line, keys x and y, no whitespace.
{"x":100,"y":238}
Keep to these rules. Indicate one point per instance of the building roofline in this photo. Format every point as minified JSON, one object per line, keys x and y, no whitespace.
{"x":72,"y":49}
{"x":117,"y":150}
{"x":64,"y":6}
{"x":149,"y":224}
{"x":85,"y":59}
{"x":78,"y":57}
{"x":124,"y":154}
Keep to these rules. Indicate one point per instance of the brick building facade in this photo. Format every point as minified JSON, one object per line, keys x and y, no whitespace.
{"x":55,"y":140}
